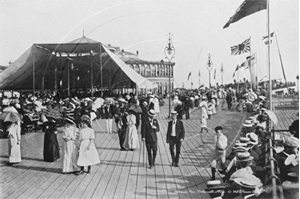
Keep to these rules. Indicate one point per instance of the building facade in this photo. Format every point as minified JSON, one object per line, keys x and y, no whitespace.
{"x":160,"y":73}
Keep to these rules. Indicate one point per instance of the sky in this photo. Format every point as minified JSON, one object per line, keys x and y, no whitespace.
{"x":143,"y":25}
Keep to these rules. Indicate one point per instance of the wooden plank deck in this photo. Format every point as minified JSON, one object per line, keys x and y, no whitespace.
{"x":121,"y":174}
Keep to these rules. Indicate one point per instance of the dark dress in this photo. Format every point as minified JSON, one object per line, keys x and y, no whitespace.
{"x":51,"y":147}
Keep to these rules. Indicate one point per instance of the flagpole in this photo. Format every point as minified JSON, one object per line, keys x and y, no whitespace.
{"x":199,"y":78}
{"x":250,"y":69}
{"x":238,"y":86}
{"x":270,"y":80}
{"x":281,"y":63}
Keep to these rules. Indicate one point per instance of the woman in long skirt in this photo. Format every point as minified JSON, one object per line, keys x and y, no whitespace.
{"x":88,"y":154}
{"x":131,"y":139}
{"x":51,"y":146}
{"x":70,"y":150}
{"x":14,"y":141}
{"x":204,"y":116}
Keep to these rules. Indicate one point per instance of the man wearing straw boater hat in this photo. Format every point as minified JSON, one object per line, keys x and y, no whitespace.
{"x":175,"y":136}
{"x":220,"y":151}
{"x":150,"y":128}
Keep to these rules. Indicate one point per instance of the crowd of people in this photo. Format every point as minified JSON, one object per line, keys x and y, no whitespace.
{"x":246,"y":169}
{"x":129,"y":113}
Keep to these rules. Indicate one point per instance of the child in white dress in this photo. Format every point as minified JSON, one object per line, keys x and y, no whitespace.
{"x":88,"y":154}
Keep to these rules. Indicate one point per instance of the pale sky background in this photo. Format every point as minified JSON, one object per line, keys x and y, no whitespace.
{"x":143,"y":25}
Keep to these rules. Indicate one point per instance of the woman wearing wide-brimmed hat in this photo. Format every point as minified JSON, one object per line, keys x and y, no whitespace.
{"x":204,"y":107}
{"x":51,"y":146}
{"x":131,"y":138}
{"x":70,"y":150}
{"x":88,"y":154}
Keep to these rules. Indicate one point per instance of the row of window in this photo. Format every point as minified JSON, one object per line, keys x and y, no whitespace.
{"x":152,"y":70}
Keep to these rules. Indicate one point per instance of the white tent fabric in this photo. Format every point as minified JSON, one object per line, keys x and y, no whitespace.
{"x":140,"y":81}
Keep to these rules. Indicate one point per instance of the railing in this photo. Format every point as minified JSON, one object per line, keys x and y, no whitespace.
{"x":276,"y":182}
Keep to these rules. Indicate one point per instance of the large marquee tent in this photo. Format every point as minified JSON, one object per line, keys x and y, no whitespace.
{"x":82,"y":63}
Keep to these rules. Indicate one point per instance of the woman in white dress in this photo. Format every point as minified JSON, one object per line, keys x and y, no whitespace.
{"x":14,"y":141}
{"x":70,"y":146}
{"x":131,"y":139}
{"x":156,"y":105}
{"x":214,"y":104}
{"x":204,"y":109}
{"x":88,"y":154}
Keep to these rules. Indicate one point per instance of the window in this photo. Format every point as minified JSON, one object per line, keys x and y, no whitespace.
{"x":142,"y":70}
{"x":131,"y":66}
{"x":153,"y":71}
{"x":159,"y":70}
{"x":147,"y":70}
{"x":167,"y":70}
{"x":137,"y":68}
{"x":163,"y":70}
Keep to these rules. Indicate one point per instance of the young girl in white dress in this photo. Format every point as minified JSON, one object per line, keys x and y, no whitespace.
{"x":70,"y":146}
{"x":88,"y":154}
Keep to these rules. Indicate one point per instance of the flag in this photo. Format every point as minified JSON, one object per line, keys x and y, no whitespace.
{"x":199,"y":73}
{"x":249,"y":62}
{"x":215,"y":74}
{"x":266,"y":38}
{"x":241,"y":48}
{"x":236,"y":69}
{"x":189,"y":76}
{"x":247,"y":8}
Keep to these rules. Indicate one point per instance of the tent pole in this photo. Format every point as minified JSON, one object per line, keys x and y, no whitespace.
{"x":68,"y":67}
{"x":55,"y":75}
{"x":101,"y":69}
{"x":92,"y":86}
{"x":33,"y":72}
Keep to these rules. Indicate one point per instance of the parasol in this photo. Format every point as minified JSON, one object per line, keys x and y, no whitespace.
{"x":10,"y":117}
{"x":52,"y":113}
{"x":10,"y":109}
{"x":135,"y":108}
{"x":272,"y":116}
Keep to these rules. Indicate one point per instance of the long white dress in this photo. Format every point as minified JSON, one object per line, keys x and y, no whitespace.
{"x":70,"y":151}
{"x":91,"y":156}
{"x":131,"y":139}
{"x":156,"y":105}
{"x":14,"y":149}
{"x":214,"y":104}
{"x":204,"y":116}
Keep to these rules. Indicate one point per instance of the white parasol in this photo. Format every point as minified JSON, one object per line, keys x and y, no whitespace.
{"x":272,"y":116}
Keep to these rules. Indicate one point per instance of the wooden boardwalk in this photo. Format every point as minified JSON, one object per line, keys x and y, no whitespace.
{"x":285,"y":118}
{"x":121,"y":174}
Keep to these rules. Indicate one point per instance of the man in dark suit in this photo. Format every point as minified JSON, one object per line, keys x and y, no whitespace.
{"x":150,"y":127}
{"x":175,"y":136}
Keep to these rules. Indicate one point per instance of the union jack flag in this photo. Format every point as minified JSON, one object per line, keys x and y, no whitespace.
{"x":241,"y":48}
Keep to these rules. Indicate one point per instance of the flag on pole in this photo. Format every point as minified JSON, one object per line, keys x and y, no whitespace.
{"x":247,"y":8}
{"x":199,"y":73}
{"x":236,"y":69}
{"x":241,"y":48}
{"x":189,"y":76}
{"x":265,"y":38}
{"x":250,"y":61}
{"x":215,"y":74}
